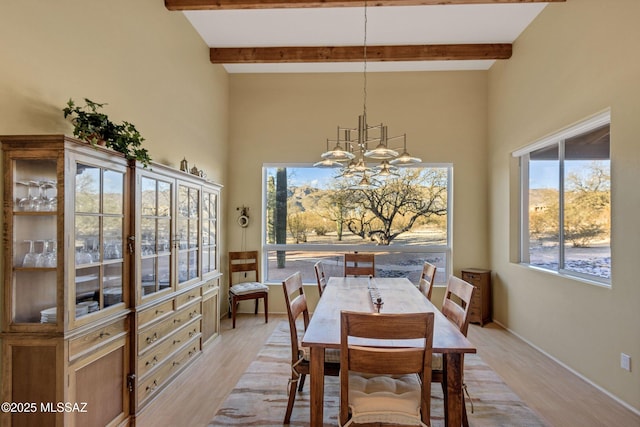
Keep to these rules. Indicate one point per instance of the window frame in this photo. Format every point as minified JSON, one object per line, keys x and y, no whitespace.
{"x":447,"y":249}
{"x":523,"y":155}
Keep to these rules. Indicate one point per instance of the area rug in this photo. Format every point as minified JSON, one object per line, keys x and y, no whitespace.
{"x":260,"y":397}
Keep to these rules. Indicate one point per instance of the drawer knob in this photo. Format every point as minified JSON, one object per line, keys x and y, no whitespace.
{"x":152,"y":362}
{"x":152,"y":338}
{"x":104,"y":334}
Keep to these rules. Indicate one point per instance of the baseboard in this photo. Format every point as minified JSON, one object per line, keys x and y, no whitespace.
{"x":579,"y":375}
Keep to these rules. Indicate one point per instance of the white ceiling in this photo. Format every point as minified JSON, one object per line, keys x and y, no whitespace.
{"x":389,"y":25}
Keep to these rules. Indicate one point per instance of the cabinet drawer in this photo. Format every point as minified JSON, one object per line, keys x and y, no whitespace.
{"x":476,"y":299}
{"x":158,"y":332}
{"x":187,"y":298}
{"x":156,"y":380}
{"x":149,"y":386}
{"x":472,"y":278}
{"x":210,"y":286}
{"x":474,"y":314}
{"x":87,"y":343}
{"x":156,"y":312}
{"x":183,"y":357}
{"x":158,"y":354}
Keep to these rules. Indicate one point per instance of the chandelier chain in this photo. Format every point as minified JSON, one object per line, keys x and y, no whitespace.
{"x":364,"y":107}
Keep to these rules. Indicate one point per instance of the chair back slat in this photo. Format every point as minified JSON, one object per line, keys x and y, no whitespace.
{"x":426,"y":279}
{"x":243,"y":262}
{"x":373,"y":360}
{"x":457,"y":301}
{"x":359,"y":264}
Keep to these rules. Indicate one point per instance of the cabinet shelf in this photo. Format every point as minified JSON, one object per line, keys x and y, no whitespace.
{"x":35,"y":269}
{"x":35,"y":213}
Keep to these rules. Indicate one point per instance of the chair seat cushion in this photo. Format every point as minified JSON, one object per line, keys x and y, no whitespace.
{"x":436,"y":362}
{"x":331,"y":355}
{"x":393,"y":399}
{"x":248,"y":288}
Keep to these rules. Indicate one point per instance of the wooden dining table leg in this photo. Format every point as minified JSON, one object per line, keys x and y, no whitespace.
{"x":453,"y":383}
{"x":316,"y":371}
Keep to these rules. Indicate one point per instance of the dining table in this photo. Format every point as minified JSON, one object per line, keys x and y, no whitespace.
{"x":386,"y":295}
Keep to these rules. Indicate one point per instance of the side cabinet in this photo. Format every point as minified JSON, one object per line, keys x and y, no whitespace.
{"x":480,"y":310}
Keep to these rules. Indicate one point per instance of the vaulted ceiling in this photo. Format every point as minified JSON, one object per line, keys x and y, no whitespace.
{"x":260,"y":36}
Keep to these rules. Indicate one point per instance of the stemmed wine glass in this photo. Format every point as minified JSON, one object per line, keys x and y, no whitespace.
{"x":52,"y":256}
{"x":49,"y":193}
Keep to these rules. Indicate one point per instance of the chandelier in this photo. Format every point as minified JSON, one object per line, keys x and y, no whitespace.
{"x":354,"y":149}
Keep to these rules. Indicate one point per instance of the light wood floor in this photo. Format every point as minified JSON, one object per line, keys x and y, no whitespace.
{"x":557,"y":395}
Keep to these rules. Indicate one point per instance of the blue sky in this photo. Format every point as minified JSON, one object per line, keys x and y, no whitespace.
{"x":316,"y":177}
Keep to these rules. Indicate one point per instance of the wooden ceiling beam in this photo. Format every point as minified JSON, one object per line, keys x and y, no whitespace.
{"x":444,"y":52}
{"x":275,"y":4}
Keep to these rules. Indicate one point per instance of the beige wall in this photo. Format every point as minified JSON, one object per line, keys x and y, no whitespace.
{"x":576,"y":59}
{"x":147,"y":63}
{"x":287,"y":118}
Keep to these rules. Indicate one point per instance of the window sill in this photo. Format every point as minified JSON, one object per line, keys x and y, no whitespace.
{"x":605,"y":283}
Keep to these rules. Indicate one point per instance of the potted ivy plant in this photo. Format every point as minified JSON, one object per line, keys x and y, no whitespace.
{"x":92,"y":125}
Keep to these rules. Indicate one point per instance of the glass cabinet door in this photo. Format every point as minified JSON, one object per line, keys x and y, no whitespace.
{"x":32,"y":209}
{"x":99,"y":206}
{"x":209,"y":236}
{"x":187,"y":232}
{"x":155,"y":197}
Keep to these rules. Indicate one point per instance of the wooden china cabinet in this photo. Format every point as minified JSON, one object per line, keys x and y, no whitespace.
{"x":110,"y":284}
{"x":65,"y":313}
{"x":177,"y":275}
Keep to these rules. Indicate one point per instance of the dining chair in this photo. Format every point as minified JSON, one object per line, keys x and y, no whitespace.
{"x":320,"y":277}
{"x":297,"y":309}
{"x":426,"y":279}
{"x":455,"y":307}
{"x":245,"y":264}
{"x":379,"y":383}
{"x":357,"y":264}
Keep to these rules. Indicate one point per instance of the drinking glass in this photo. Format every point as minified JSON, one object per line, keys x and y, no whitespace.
{"x":31,"y":257}
{"x":83,"y":256}
{"x":40,"y":261}
{"x":49,"y":195}
{"x":35,"y":196}
{"x":51,"y":259}
{"x":22,"y":195}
